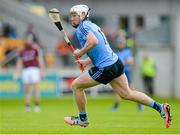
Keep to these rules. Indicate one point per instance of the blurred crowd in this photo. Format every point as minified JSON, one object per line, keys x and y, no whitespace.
{"x":7,"y":47}
{"x":7,"y":30}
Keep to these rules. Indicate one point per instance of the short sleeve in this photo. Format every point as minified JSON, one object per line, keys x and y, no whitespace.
{"x":85,"y":29}
{"x":36,"y":52}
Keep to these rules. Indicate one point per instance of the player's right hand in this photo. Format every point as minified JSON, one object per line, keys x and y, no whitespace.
{"x":77,"y":53}
{"x":42,"y":74}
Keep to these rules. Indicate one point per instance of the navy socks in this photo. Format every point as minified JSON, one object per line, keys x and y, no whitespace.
{"x":83,"y":116}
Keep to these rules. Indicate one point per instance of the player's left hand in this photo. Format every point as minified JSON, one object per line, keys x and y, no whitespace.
{"x":42,"y":74}
{"x":77,"y":53}
{"x":82,"y":63}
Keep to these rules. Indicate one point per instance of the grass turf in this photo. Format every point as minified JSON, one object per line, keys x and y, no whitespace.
{"x":13,"y":119}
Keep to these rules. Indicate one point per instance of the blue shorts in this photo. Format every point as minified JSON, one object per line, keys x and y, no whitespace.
{"x":107,"y":74}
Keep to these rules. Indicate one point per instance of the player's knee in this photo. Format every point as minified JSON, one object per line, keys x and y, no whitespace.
{"x":125,"y":97}
{"x":75,"y":85}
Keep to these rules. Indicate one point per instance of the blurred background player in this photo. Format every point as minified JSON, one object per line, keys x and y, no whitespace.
{"x":31,"y":30}
{"x":148,"y":72}
{"x":31,"y":63}
{"x":126,"y":56}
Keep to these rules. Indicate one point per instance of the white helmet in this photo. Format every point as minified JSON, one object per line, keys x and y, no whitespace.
{"x":79,"y":9}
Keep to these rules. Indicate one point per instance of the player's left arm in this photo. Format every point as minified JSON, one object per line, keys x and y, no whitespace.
{"x":18,"y":68}
{"x":91,"y":41}
{"x":41,"y":63}
{"x":130,"y":59}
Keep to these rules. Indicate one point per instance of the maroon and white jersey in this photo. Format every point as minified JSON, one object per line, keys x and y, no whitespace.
{"x":29,"y":57}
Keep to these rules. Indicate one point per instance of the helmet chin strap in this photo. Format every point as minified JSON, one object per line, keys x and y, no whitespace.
{"x":75,"y":26}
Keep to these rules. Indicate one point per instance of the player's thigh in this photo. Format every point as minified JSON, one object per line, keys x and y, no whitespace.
{"x":120,"y":84}
{"x":25,"y":76}
{"x":31,"y":75}
{"x":84,"y":81}
{"x":35,"y":75}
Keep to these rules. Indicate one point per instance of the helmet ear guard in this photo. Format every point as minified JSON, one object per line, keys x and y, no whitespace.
{"x":83,"y":15}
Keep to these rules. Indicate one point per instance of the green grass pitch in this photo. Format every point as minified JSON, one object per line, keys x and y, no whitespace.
{"x":128,"y":120}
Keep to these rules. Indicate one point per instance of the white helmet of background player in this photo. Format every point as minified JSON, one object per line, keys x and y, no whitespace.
{"x":81,"y":10}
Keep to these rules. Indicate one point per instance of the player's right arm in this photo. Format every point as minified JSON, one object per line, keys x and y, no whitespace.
{"x":18,"y":68}
{"x":129,"y":60}
{"x":91,"y":41}
{"x":41,"y":66}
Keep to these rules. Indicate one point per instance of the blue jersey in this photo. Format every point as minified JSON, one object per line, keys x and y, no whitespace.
{"x":101,"y":54}
{"x":125,"y":54}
